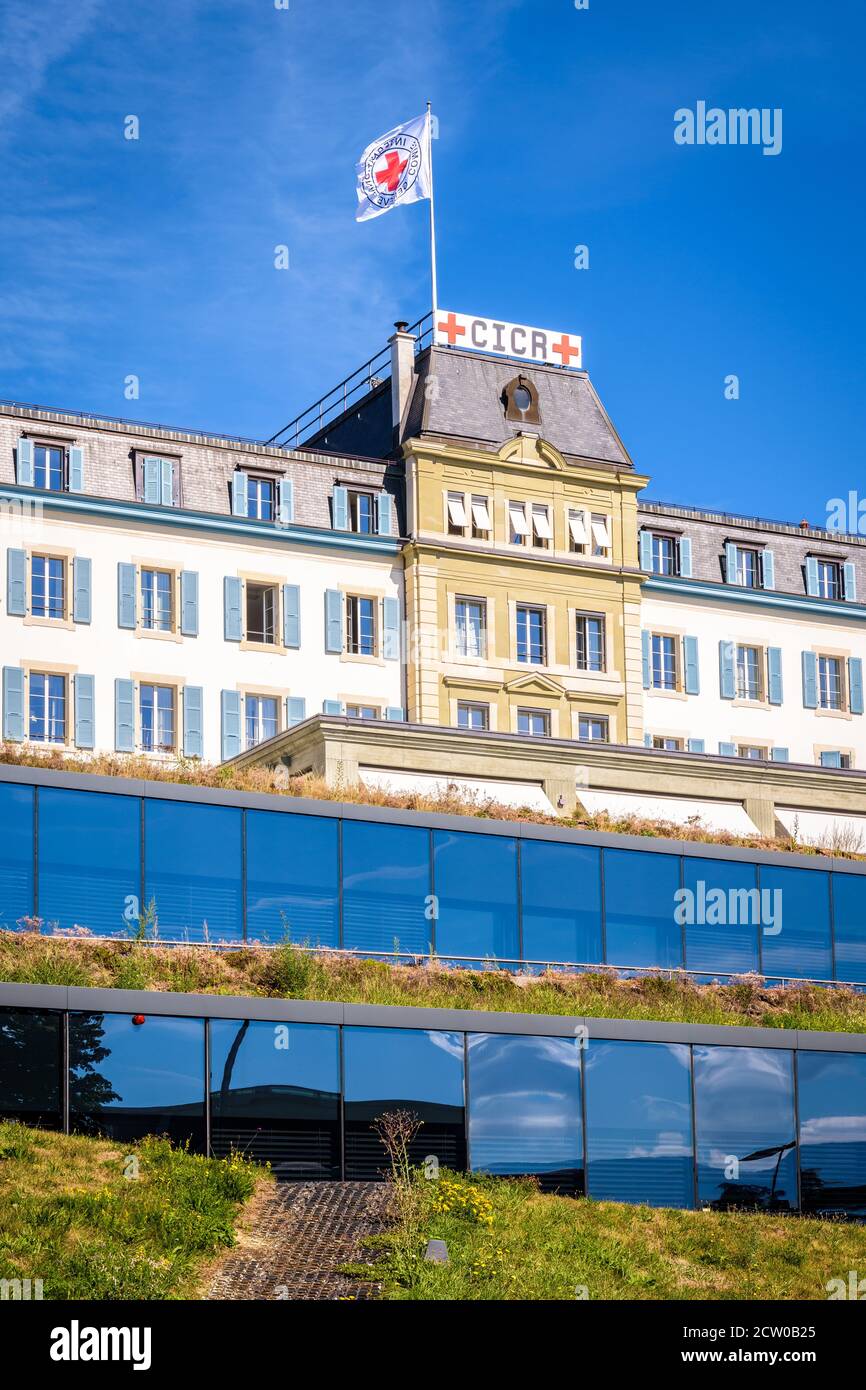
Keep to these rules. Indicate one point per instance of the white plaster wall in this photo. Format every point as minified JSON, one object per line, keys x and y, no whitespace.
{"x":106,"y":651}
{"x":789,"y":725}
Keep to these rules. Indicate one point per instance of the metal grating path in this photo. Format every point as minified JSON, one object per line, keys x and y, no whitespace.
{"x":297,"y":1238}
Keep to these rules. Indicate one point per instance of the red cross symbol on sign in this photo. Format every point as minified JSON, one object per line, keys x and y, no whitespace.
{"x":451,"y":328}
{"x":390,"y":176}
{"x":565,"y":350}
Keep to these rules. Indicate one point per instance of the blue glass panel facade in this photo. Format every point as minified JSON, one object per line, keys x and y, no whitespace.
{"x":849,"y":915}
{"x":391,"y":1069}
{"x":193,"y":857}
{"x":293,"y":878}
{"x":525,"y":1107}
{"x":128,"y":1078}
{"x":640,"y":906}
{"x":16,"y":854}
{"x":30,"y":1067}
{"x":89,"y":861}
{"x":798,"y":942}
{"x":721,"y":916}
{"x":831,"y":1092}
{"x":275,"y":1095}
{"x":746,"y":1135}
{"x":639,"y":1145}
{"x":561,"y":901}
{"x":386,"y":887}
{"x":475,"y":883}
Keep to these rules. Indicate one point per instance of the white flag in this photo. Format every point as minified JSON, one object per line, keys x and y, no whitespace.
{"x":394,"y":169}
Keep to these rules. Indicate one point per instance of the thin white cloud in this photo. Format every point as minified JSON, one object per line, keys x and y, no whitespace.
{"x":32,"y":38}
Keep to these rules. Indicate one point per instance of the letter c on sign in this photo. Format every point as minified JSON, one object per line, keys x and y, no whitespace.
{"x":477,"y":340}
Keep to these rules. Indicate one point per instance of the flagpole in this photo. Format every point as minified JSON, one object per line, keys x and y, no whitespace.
{"x":435,"y":292}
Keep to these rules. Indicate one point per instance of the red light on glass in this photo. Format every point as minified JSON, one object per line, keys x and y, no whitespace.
{"x":138,"y":1019}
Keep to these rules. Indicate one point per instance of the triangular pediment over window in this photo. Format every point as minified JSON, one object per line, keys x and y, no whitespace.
{"x":535,"y":684}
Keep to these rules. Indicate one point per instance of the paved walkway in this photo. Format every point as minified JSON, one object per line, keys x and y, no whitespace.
{"x":295,"y":1238}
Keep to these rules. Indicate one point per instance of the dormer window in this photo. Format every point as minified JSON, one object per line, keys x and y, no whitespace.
{"x":520,"y":399}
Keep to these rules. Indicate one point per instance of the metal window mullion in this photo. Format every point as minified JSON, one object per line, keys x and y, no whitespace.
{"x":207,"y":1114}
{"x":694,"y":1123}
{"x":795,"y":1078}
{"x":65,"y":1116}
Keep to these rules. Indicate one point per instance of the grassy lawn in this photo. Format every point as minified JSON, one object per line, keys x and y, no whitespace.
{"x":507,"y":1241}
{"x":288,"y":973}
{"x":71,"y":1217}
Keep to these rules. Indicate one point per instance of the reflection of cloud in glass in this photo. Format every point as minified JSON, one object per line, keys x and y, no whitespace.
{"x":830,"y":1129}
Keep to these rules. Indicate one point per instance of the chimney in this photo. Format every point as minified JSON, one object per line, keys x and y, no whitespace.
{"x":402,"y":370}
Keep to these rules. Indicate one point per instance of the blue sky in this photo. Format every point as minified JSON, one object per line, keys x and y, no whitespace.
{"x":156,"y":257}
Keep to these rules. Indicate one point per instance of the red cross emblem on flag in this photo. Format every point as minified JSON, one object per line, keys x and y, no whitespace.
{"x":389,"y":171}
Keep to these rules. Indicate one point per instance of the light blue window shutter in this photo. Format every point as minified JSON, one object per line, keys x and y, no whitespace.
{"x":16,"y":583}
{"x":385,"y":510}
{"x":189,"y":603}
{"x":232,"y":592}
{"x":855,"y":684}
{"x":727,"y":686}
{"x":81,"y":589}
{"x":646,"y":551}
{"x":810,"y":680}
{"x":395,"y":713}
{"x":778,"y":755}
{"x":287,"y":501}
{"x":332,"y":707}
{"x":126,"y":582}
{"x":774,"y":675}
{"x":341,"y":509}
{"x":85,"y":727}
{"x":695,"y":745}
{"x":690,"y":665}
{"x":230,"y":707}
{"x":193,"y":717}
{"x":727,"y":750}
{"x":768,"y":569}
{"x":24,"y":457}
{"x":391,"y":629}
{"x":829,"y":759}
{"x":166,"y":482}
{"x":812,"y":576}
{"x":645,"y":658}
{"x":76,"y":468}
{"x":849,"y":582}
{"x":13,"y":703}
{"x":150,"y":468}
{"x":685,"y":552}
{"x":730,"y":563}
{"x":240,"y":496}
{"x":124,"y":716}
{"x":291,"y":615}
{"x":333,"y":620}
{"x":647,"y":740}
{"x":296,"y":710}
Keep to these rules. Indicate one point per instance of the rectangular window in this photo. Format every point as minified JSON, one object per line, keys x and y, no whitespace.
{"x":262,"y":603}
{"x":831,"y":1098}
{"x":386,"y":886}
{"x":750,"y":663}
{"x":849,"y":926}
{"x":476,"y":884}
{"x":561,"y":892}
{"x":456,"y":514}
{"x":471,"y":716}
{"x":802,"y":948}
{"x":533,"y":721}
{"x":30,"y":1068}
{"x":518,"y":529}
{"x":726,"y":940}
{"x":664,"y":554}
{"x":830,"y":579}
{"x":748,"y":571}
{"x":481,"y":523}
{"x":16,"y":854}
{"x":89,"y":859}
{"x":262,"y":718}
{"x":665,"y":675}
{"x":157,"y":707}
{"x":752,"y":751}
{"x":362,"y":512}
{"x":590,"y":642}
{"x":746,"y":1130}
{"x":363,"y":712}
{"x":670,"y":745}
{"x":360,"y":625}
{"x":593,"y":728}
{"x":600,"y":530}
{"x":193,"y":869}
{"x":577,"y":534}
{"x":531,"y":635}
{"x":831,"y":688}
{"x":261,"y":498}
{"x":640,"y":921}
{"x":470,"y":621}
{"x":292,"y":878}
{"x":47,"y":722}
{"x":156,"y":600}
{"x":541,"y":532}
{"x":49,"y":467}
{"x":47,"y":587}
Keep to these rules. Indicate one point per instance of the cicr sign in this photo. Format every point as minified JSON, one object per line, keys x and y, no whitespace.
{"x":507,"y":339}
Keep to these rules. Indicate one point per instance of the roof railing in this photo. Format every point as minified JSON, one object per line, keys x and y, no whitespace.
{"x":374,"y":372}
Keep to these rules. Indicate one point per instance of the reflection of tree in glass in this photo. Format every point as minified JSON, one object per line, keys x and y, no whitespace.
{"x":89,"y":1090}
{"x":30,"y":1070}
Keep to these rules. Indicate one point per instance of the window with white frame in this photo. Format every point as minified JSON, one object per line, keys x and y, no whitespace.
{"x":157,"y":706}
{"x":750,"y":673}
{"x":535,"y":722}
{"x":157,"y":607}
{"x":664,"y":672}
{"x":590,"y":642}
{"x":46,"y":715}
{"x":356,"y":711}
{"x":747,"y":561}
{"x":663,"y":550}
{"x":261,"y":717}
{"x":542,"y":534}
{"x":261,"y":498}
{"x":531,"y":634}
{"x":262,"y":610}
{"x":482,"y":525}
{"x":362,"y":512}
{"x":471,"y":715}
{"x":456,"y":506}
{"x":578,"y":534}
{"x":48,"y":587}
{"x":360,"y":625}
{"x":600,"y":535}
{"x":593,"y":728}
{"x":518,"y":526}
{"x":754,"y":752}
{"x":831,"y":683}
{"x":670,"y":745}
{"x":49,"y":467}
{"x":470,"y":626}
